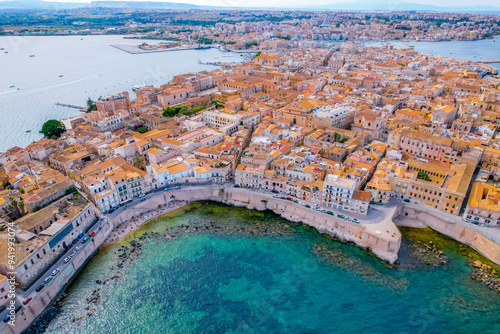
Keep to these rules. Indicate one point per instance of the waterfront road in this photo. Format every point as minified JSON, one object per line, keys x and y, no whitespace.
{"x":22,"y":294}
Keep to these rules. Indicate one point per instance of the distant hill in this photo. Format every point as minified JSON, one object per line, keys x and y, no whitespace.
{"x":145,"y":5}
{"x":38,"y":4}
{"x":358,"y":5}
{"x":390,"y":5}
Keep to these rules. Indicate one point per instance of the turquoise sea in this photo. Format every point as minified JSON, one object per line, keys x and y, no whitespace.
{"x":239,"y":271}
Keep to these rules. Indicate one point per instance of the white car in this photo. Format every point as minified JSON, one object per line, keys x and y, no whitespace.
{"x":66,"y":260}
{"x":55,"y":272}
{"x":301,"y":203}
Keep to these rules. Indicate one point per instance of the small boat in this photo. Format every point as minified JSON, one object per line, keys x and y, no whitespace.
{"x":12,"y":86}
{"x":28,"y":130}
{"x":61,"y":76}
{"x":2,"y":48}
{"x":31,"y":56}
{"x":137,"y":87}
{"x":6,"y":52}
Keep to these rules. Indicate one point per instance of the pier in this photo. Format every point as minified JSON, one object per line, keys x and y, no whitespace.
{"x":217,"y":63}
{"x":82,"y":109}
{"x":490,"y":61}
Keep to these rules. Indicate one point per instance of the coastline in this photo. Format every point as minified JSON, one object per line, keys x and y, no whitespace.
{"x":133,"y":49}
{"x":126,"y":228}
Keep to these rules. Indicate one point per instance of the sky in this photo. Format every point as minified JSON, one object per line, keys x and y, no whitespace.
{"x":307,"y":3}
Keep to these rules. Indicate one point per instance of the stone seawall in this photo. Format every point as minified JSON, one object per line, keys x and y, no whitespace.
{"x":54,"y":288}
{"x":383,"y":239}
{"x":451,"y":226}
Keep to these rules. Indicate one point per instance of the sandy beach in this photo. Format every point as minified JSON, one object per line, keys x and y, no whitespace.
{"x":125,"y":228}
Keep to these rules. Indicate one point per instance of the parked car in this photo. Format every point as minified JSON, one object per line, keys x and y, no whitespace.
{"x":340,"y":216}
{"x":66,"y":260}
{"x":2,"y":308}
{"x":276,"y":196}
{"x":85,"y":240}
{"x":275,"y":191}
{"x":307,"y":206}
{"x":283,"y":197}
{"x":27,"y":300}
{"x":295,"y":201}
{"x":75,"y":241}
{"x":78,"y":248}
{"x":141,"y":195}
{"x":72,"y":254}
{"x":236,"y":185}
{"x":40,"y":287}
{"x":289,"y":198}
{"x":347,"y":218}
{"x":55,"y":272}
{"x":80,"y":235}
{"x":7,"y":318}
{"x":47,"y":280}
{"x":91,"y":234}
{"x":18,"y":308}
{"x":330,"y":213}
{"x":407,"y":200}
{"x":355,"y":220}
{"x":301,"y":203}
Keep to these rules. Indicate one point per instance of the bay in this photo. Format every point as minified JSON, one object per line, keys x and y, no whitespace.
{"x":90,"y":67}
{"x":255,"y":272}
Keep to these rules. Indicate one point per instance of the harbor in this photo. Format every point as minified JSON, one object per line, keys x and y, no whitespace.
{"x":138,"y":49}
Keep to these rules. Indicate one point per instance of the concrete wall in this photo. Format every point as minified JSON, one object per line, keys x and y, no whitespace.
{"x":385,"y":246}
{"x":44,"y":298}
{"x":451,"y":227}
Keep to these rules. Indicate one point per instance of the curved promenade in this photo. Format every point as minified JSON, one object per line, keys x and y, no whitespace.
{"x":380,"y":234}
{"x":382,"y":238}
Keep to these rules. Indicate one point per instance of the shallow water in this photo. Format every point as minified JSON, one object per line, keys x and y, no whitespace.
{"x":253,"y":272}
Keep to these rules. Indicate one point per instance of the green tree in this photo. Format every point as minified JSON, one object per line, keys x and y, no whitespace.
{"x":53,"y":128}
{"x":138,"y":162}
{"x":423,"y":176}
{"x":91,"y":105}
{"x":142,"y":129}
{"x":15,"y":209}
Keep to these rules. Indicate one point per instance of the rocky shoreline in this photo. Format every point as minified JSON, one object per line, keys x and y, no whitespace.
{"x":429,"y":254}
{"x":486,"y":275}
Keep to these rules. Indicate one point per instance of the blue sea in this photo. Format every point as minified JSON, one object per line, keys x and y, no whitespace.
{"x":234,"y":270}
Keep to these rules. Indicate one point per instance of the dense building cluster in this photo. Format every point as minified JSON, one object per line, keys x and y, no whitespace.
{"x":331,"y":129}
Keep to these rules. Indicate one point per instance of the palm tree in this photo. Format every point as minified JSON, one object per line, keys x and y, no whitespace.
{"x":15,"y":208}
{"x":138,"y":162}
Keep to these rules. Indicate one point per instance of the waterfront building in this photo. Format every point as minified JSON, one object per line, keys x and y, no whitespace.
{"x":483,"y":205}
